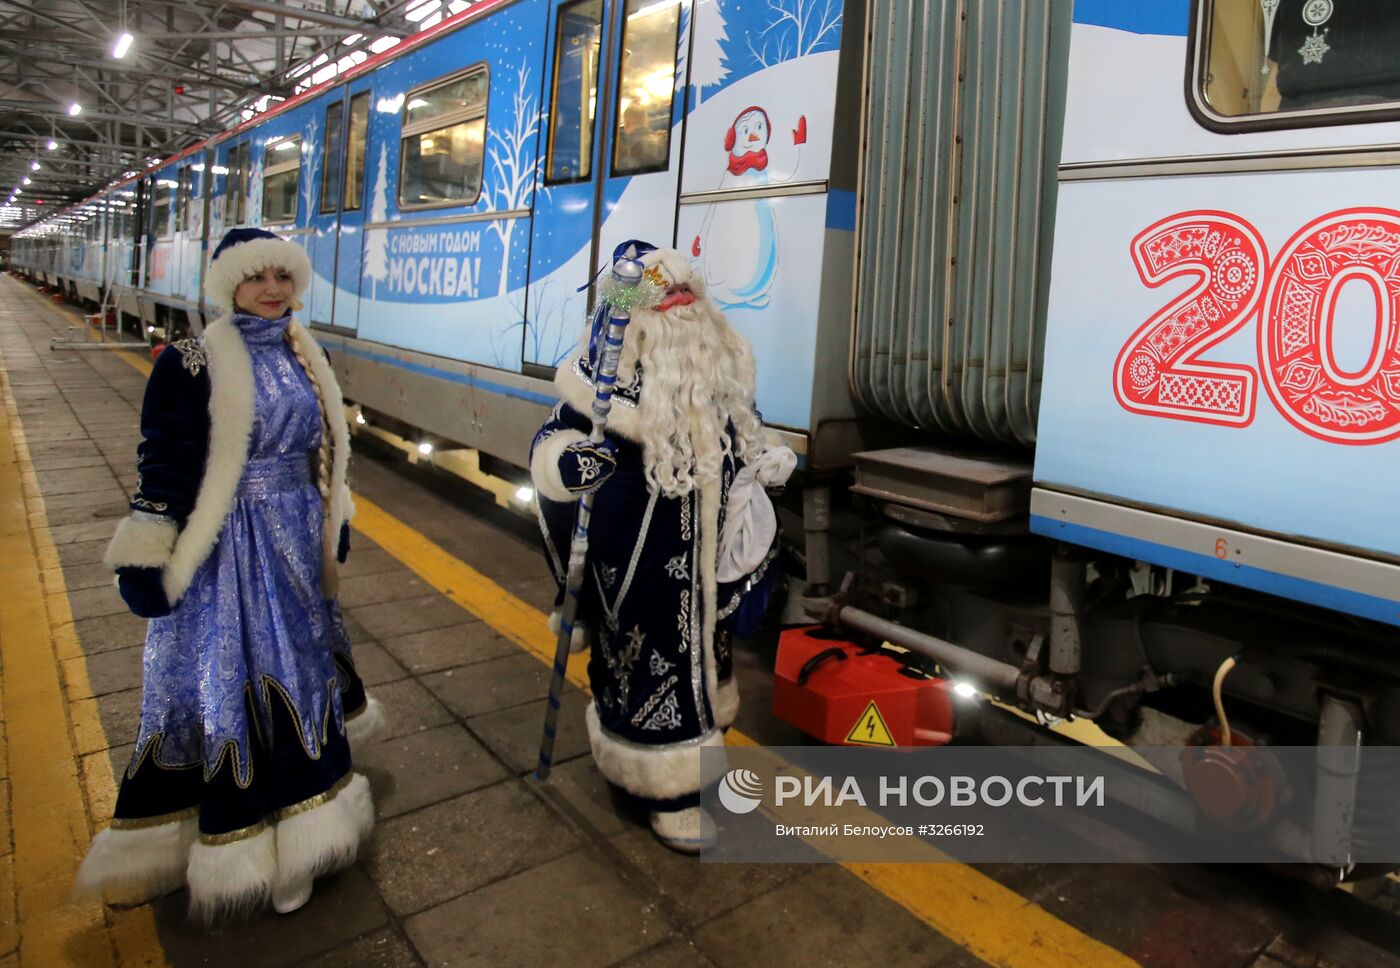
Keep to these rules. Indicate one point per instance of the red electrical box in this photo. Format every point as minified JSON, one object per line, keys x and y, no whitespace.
{"x":835,"y":691}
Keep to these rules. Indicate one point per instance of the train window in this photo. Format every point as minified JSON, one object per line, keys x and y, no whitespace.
{"x":236,"y":193}
{"x":577,"y":41}
{"x":162,"y":197}
{"x":281,"y":175}
{"x":331,"y":157}
{"x":642,"y":141}
{"x":355,"y":152}
{"x":1296,"y":62}
{"x":443,"y":142}
{"x":182,"y":199}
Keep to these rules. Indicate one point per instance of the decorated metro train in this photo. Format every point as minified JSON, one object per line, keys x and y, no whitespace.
{"x":1086,"y":313}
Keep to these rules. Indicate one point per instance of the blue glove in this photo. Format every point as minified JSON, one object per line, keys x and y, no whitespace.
{"x":342,"y":550}
{"x":143,"y":592}
{"x":586,"y":465}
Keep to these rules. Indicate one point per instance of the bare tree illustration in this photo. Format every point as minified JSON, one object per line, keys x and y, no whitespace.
{"x":514,"y":165}
{"x":797,"y":28}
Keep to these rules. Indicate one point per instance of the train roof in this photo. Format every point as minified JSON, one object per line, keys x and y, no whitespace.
{"x":449,"y":24}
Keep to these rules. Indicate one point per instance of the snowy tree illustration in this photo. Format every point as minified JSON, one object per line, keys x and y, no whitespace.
{"x":377,"y":240}
{"x":255,"y":195}
{"x":308,"y":152}
{"x":795,"y":29}
{"x":707,"y":66}
{"x":514,"y":165}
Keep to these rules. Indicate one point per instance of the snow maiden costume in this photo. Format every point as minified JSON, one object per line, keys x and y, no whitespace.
{"x":240,"y":784}
{"x":662,"y":590}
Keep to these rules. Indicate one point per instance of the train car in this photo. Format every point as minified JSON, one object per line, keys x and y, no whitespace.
{"x":1097,"y":298}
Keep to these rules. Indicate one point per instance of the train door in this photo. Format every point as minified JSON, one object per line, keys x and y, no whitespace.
{"x":611,"y":155}
{"x":324,"y":218}
{"x":350,"y":227}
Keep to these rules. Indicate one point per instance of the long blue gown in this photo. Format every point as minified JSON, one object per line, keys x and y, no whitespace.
{"x":241,"y":715}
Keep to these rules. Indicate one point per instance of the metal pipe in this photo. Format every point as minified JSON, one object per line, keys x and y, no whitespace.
{"x":816,"y":524}
{"x":965,"y":662}
{"x":1066,"y":609}
{"x":1338,"y":764}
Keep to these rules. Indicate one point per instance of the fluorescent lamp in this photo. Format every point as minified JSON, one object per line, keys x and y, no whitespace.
{"x":122,"y":45}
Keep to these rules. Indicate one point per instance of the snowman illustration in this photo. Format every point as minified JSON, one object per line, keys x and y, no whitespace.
{"x":739,"y":239}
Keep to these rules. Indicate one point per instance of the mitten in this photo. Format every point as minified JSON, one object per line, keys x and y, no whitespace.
{"x":585,"y":465}
{"x":143,"y":591}
{"x":342,"y":550}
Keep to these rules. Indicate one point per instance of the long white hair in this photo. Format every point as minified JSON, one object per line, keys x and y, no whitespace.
{"x":697,"y":379}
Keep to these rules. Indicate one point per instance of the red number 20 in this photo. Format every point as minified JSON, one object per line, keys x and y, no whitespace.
{"x":1156,"y":373}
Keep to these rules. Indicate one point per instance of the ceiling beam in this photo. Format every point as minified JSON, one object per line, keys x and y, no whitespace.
{"x":39,"y":108}
{"x":351,"y":24}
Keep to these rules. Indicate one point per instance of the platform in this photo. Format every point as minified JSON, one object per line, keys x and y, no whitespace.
{"x":472,"y":861}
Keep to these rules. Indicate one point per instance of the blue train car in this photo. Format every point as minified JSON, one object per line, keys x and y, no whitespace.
{"x":878,"y":207}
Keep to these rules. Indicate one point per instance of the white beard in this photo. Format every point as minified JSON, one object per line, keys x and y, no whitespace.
{"x":697,"y":377}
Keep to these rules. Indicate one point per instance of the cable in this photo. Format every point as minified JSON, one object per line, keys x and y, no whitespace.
{"x":1220,"y":675}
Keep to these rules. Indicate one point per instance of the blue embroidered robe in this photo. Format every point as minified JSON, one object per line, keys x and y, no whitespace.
{"x":246,"y":684}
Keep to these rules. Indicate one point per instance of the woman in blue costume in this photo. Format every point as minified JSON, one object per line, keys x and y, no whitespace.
{"x":240,"y":785}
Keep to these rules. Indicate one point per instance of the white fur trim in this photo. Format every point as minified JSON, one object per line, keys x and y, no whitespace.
{"x":544,"y":465}
{"x":368,"y":725}
{"x":677,"y":268}
{"x":129,"y":866}
{"x":578,"y":639}
{"x":340,"y":505}
{"x":724,"y":702}
{"x":229,"y":881}
{"x":325,"y":838}
{"x":141,"y":543}
{"x":659,"y":772}
{"x":238,"y":262}
{"x":230,"y":430}
{"x":622,"y":419}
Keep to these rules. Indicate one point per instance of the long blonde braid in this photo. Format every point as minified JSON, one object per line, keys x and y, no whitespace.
{"x":323,"y":466}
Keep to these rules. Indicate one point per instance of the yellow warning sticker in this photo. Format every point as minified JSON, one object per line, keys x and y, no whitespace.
{"x":870,"y":729}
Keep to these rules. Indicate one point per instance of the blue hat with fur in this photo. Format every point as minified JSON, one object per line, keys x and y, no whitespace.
{"x":245,"y":252}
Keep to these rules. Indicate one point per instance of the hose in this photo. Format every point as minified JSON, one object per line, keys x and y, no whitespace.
{"x":1220,"y":675}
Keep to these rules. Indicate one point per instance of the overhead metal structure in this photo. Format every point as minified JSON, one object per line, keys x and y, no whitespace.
{"x":77,"y":111}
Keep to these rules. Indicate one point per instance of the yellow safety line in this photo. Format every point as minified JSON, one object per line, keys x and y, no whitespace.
{"x":49,"y":818}
{"x":994,"y":923}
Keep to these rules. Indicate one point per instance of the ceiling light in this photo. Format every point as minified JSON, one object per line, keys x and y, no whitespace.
{"x":53,"y":145}
{"x":425,"y":448}
{"x":122,"y":45}
{"x":75,"y":109}
{"x":33,"y":166}
{"x":28,"y":180}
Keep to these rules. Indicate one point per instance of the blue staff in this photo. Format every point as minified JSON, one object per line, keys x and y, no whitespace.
{"x":626,"y":273}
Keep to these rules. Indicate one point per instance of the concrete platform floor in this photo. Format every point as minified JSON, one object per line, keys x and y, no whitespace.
{"x":473,"y":863}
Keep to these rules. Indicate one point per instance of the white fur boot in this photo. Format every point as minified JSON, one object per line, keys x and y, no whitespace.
{"x":689,"y":831}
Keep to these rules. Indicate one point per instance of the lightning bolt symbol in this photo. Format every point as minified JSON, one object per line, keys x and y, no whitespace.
{"x":870,"y":727}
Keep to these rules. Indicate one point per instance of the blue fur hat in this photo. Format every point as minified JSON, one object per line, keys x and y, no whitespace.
{"x":247,"y":251}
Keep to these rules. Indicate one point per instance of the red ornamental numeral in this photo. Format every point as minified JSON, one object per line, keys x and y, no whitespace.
{"x":1157,"y":372}
{"x":1296,"y":343}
